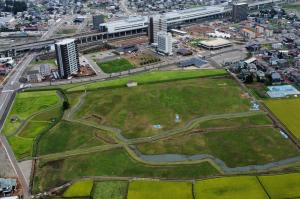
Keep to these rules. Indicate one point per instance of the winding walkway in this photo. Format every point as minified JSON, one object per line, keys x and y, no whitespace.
{"x":167,"y":159}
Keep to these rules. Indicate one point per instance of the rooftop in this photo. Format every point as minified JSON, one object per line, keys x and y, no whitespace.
{"x":215,"y":42}
{"x":65,"y":41}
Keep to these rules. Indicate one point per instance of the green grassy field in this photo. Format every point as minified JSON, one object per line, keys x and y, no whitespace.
{"x":110,"y":189}
{"x":236,"y":147}
{"x":160,"y":103}
{"x":147,"y":77}
{"x":25,"y":106}
{"x":79,"y":189}
{"x":69,"y":135}
{"x":22,"y":147}
{"x":159,"y":190}
{"x":116,"y":65}
{"x":282,"y":186}
{"x":110,"y":163}
{"x":246,"y":187}
{"x":260,"y":119}
{"x":28,"y":103}
{"x":286,"y":110}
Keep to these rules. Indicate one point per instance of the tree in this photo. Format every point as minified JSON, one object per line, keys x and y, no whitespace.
{"x":66,"y":105}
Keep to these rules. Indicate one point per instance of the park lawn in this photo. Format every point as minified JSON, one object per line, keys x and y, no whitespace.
{"x":28,"y":103}
{"x":282,"y":186}
{"x":244,"y":146}
{"x":246,"y":187}
{"x":148,"y":77}
{"x":259,"y":119}
{"x":110,"y":189}
{"x":22,"y":147}
{"x":116,"y":65}
{"x":286,"y":110}
{"x":80,"y":189}
{"x":124,"y":108}
{"x":116,"y":162}
{"x":159,"y":190}
{"x":33,"y":129}
{"x":49,"y":116}
{"x":70,"y":135}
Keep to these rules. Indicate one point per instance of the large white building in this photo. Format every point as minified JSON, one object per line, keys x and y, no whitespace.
{"x":157,"y":23}
{"x":67,"y":57}
{"x":164,"y":43}
{"x":128,"y":24}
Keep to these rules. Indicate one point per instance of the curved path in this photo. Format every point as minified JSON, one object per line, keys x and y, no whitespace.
{"x":168,"y":159}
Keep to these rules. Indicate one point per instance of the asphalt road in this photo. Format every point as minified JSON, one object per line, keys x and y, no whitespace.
{"x":7,"y":96}
{"x":6,"y":99}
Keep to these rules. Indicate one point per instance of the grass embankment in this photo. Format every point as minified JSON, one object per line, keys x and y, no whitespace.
{"x":79,"y":189}
{"x":116,"y":162}
{"x":116,"y":65}
{"x":25,"y":106}
{"x":136,"y":115}
{"x":159,"y":190}
{"x":287,"y":111}
{"x":148,"y":77}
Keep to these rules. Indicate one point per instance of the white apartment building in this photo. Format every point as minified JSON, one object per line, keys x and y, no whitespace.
{"x":164,"y":42}
{"x":67,"y":57}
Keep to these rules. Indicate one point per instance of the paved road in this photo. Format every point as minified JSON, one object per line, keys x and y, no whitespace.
{"x":6,"y":98}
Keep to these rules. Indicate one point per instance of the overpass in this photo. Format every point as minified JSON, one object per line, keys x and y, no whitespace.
{"x":83,"y":39}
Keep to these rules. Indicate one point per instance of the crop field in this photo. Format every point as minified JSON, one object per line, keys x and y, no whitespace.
{"x":148,"y":77}
{"x":244,"y":146}
{"x":286,"y":110}
{"x":282,"y":186}
{"x":229,"y":188}
{"x":69,"y":135}
{"x":34,"y":113}
{"x":110,"y":189}
{"x":110,"y":163}
{"x":79,"y":189}
{"x":116,"y":65}
{"x":159,"y":190}
{"x":161,"y":102}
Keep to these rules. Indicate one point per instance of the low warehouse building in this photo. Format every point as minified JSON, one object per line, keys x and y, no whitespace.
{"x":215,"y":44}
